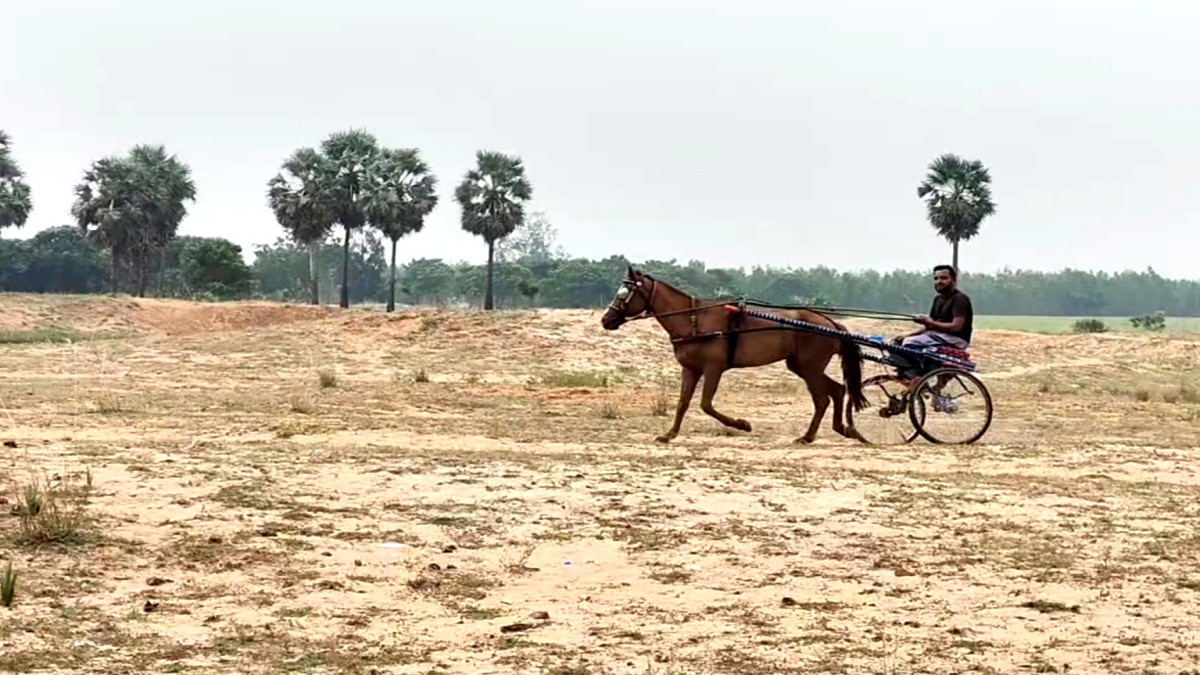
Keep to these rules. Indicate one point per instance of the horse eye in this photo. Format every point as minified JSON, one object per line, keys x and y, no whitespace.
{"x":623,"y":292}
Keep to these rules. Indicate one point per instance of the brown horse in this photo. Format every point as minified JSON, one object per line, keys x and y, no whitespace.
{"x":709,"y":339}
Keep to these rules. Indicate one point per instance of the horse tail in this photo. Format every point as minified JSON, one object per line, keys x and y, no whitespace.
{"x":852,"y":359}
{"x":851,"y":355}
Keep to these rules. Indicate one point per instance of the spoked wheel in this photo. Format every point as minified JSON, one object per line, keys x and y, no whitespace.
{"x":885,"y":420}
{"x":950,"y":406}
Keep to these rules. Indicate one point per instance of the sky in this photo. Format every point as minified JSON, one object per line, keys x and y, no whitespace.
{"x":760,"y":132}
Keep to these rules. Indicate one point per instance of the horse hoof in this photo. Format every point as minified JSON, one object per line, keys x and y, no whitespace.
{"x":803,"y":440}
{"x":853,"y":434}
{"x":741,"y":425}
{"x":664,"y":438}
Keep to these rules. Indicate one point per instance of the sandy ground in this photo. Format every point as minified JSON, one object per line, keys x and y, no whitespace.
{"x":290,"y":489}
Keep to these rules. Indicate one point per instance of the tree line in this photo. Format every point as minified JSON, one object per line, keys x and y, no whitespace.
{"x":131,"y":206}
{"x":532,"y":271}
{"x":344,"y":203}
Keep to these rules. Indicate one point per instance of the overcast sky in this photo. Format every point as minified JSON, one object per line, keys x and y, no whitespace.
{"x":782,"y":132}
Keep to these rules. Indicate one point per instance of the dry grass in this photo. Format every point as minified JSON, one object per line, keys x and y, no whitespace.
{"x":262,"y":489}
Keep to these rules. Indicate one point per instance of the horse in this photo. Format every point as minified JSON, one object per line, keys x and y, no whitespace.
{"x":708,"y":340}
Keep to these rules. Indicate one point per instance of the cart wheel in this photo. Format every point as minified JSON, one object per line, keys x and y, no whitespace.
{"x":950,"y":406}
{"x":883,"y":421}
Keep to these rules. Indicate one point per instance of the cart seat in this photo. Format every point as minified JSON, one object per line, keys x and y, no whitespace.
{"x":954,"y":352}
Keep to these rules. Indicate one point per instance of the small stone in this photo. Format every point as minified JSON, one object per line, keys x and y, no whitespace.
{"x":268,"y":532}
{"x":449,"y":549}
{"x":540,"y":616}
{"x":516,"y":627}
{"x":788,"y":602}
{"x":157,"y":581}
{"x":434,"y":567}
{"x":150,"y":606}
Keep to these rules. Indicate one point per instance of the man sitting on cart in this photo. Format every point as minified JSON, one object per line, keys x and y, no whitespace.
{"x":949,"y":322}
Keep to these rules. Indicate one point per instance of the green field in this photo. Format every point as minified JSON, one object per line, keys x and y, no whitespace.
{"x":1062,"y":324}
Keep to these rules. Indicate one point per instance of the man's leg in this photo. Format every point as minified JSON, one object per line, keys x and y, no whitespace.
{"x":926,"y":340}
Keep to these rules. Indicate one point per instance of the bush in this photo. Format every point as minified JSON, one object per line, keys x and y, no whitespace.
{"x":1089,"y":326}
{"x":1155,"y":322}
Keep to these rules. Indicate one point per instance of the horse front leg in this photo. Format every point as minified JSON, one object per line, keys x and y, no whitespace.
{"x":712,"y":378}
{"x":687,"y":389}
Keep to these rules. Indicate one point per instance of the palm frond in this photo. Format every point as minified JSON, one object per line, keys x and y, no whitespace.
{"x":16,"y":197}
{"x":492,"y":195}
{"x":957,"y":195}
{"x":298,"y":196}
{"x":400,"y":192}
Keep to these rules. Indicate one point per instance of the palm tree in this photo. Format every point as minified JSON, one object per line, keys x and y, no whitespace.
{"x":133,"y":206}
{"x":351,"y":154}
{"x":958,"y":196}
{"x":166,"y":184}
{"x":16,"y":199}
{"x":301,"y":207}
{"x":492,"y":197}
{"x":105,"y":210}
{"x":402,"y":192}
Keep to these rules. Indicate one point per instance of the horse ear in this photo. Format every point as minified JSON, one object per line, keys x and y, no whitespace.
{"x":630,"y":268}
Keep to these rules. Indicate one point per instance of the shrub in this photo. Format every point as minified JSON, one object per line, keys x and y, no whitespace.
{"x":1155,"y":322}
{"x":1089,"y":326}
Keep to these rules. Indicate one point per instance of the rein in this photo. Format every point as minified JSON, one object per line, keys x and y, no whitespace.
{"x":840,"y":311}
{"x":693,"y":310}
{"x":649,"y":298}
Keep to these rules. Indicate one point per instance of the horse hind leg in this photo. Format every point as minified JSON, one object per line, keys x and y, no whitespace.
{"x":819,"y":390}
{"x":837,"y":392}
{"x":712,"y":378}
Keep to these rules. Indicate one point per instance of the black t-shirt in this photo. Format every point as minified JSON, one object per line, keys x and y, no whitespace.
{"x":946,"y":308}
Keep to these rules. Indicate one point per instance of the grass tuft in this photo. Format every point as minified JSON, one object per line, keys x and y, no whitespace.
{"x":327,"y":378}
{"x":54,"y":511}
{"x":579,"y":379}
{"x":39,"y":336}
{"x":8,"y":586}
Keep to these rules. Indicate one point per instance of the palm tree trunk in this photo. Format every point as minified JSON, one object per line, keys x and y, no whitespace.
{"x":345,"y":299}
{"x":487,"y":289}
{"x":141,"y":274}
{"x":313,"y":289}
{"x":116,"y":270}
{"x":391,"y":304}
{"x":954,"y":261}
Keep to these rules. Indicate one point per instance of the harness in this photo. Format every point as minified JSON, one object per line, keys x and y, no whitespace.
{"x":733,"y":325}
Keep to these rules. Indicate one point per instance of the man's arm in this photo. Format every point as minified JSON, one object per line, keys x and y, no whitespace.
{"x":958,"y":310}
{"x":919,"y":319}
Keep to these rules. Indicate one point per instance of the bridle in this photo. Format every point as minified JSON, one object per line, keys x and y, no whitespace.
{"x":628,"y":287}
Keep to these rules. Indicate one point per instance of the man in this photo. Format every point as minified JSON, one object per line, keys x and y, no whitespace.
{"x":950,"y":321}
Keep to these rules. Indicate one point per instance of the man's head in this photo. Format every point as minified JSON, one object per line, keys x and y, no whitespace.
{"x":945,"y":278}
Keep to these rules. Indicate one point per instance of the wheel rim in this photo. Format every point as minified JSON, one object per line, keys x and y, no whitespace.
{"x":950,"y":406}
{"x":884,"y":394}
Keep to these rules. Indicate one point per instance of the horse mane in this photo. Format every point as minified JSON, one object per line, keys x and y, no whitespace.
{"x":685,"y":293}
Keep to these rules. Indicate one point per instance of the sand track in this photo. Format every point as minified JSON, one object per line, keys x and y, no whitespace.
{"x":298,"y":489}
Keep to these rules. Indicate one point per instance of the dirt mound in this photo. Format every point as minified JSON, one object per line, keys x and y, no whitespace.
{"x":100,"y":315}
{"x":568,"y":339}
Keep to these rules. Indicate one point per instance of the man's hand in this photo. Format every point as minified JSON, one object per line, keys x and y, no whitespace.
{"x":921,"y":319}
